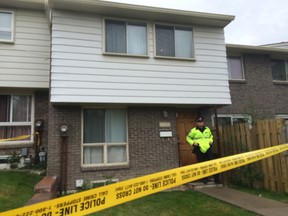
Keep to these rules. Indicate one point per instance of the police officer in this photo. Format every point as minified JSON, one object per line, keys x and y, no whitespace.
{"x":201,"y":138}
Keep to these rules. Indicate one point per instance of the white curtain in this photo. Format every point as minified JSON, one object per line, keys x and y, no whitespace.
{"x":116,"y":154}
{"x":21,"y":108}
{"x":93,"y":155}
{"x":183,"y":43}
{"x":115,"y":126}
{"x":136,"y":40}
{"x":115,"y":132}
{"x":5,"y":25}
{"x":235,"y":68}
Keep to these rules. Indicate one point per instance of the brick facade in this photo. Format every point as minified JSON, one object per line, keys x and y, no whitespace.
{"x":148,"y":152}
{"x":257,"y":95}
{"x":42,"y":112}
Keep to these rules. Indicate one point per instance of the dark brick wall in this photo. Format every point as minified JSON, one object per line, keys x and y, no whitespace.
{"x":148,"y":153}
{"x":258,"y":95}
{"x":42,"y":112}
{"x":70,"y":116}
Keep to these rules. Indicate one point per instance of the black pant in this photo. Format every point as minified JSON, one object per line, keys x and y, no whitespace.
{"x":201,"y":157}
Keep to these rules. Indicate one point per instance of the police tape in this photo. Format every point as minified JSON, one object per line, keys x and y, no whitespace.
{"x":97,"y":199}
{"x":16,"y":138}
{"x":22,"y":137}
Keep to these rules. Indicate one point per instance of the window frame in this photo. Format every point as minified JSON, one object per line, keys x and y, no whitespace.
{"x":11,"y":123}
{"x":126,"y":21}
{"x":231,"y":116}
{"x":12,"y":39}
{"x":242,"y":68}
{"x":104,"y":145}
{"x":193,"y":58}
{"x":285,"y":117}
{"x":285,"y":68}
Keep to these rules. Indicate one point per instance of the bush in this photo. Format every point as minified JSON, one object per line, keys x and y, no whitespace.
{"x":13,"y":160}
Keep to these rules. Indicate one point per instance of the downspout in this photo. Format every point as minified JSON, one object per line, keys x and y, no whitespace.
{"x":217,"y":132}
{"x":63,"y":159}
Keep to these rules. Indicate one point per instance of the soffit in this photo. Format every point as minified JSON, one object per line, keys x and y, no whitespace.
{"x":273,"y":52}
{"x":23,"y":4}
{"x":142,"y":12}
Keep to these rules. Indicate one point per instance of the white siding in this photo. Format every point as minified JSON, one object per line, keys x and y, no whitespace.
{"x":80,"y":73}
{"x":26,"y":62}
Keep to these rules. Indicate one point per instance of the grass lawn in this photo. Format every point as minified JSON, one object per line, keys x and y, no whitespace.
{"x":16,"y":188}
{"x":175,"y":203}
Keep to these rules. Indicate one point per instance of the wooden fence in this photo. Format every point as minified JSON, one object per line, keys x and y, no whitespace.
{"x":270,"y":173}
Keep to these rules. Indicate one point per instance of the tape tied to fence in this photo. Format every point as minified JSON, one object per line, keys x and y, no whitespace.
{"x":97,"y":199}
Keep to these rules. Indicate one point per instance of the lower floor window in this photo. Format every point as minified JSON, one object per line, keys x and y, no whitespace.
{"x":104,"y":136}
{"x":285,"y":117}
{"x":232,"y":119}
{"x":15,"y":116}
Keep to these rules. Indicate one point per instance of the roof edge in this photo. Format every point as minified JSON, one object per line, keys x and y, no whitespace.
{"x":86,"y":5}
{"x":256,"y":48}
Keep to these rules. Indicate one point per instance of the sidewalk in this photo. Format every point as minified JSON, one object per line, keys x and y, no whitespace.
{"x":260,"y":205}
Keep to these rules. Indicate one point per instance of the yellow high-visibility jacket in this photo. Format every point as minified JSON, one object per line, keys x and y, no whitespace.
{"x":203,"y":138}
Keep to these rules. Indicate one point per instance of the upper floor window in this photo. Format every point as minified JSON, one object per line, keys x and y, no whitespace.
{"x":235,"y":69}
{"x":6,"y":26}
{"x":105,"y":137}
{"x":15,"y":116}
{"x":279,"y":70}
{"x":174,"y":41}
{"x":125,"y":37}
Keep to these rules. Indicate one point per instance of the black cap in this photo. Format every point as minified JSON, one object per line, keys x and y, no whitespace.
{"x":199,"y":119}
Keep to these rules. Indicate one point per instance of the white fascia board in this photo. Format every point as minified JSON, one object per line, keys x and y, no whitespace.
{"x":142,"y":12}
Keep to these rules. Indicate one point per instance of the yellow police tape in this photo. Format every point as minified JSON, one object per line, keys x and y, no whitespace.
{"x":16,"y":138}
{"x":101,"y":198}
{"x":22,"y":137}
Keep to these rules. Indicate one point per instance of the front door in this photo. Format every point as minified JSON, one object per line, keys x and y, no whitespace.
{"x":185,"y":122}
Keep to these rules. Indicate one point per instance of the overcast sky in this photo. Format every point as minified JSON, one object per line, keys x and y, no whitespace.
{"x":257,"y":22}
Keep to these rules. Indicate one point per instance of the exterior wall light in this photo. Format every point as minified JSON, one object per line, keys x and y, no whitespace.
{"x":165,"y":114}
{"x":39,"y":123}
{"x":63,"y":130}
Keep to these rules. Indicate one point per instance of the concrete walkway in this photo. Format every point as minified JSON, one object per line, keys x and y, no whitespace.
{"x":259,"y":205}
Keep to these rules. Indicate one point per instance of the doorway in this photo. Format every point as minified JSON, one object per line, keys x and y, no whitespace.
{"x":185,"y":122}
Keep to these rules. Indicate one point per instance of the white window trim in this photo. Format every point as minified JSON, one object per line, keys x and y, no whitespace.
{"x":11,"y":143}
{"x":286,"y":71}
{"x":13,"y":27}
{"x":171,"y":57}
{"x":105,"y":145}
{"x":242,"y":68}
{"x":284,"y":116}
{"x":104,"y":181}
{"x":232,"y":116}
{"x":124,"y":54}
